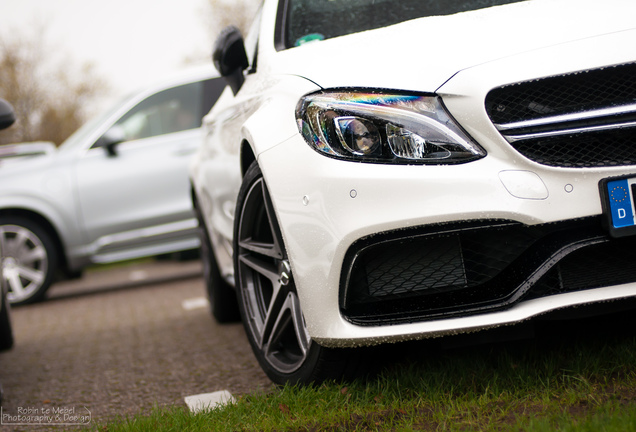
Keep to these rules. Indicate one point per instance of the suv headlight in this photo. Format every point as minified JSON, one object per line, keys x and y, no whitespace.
{"x":382,"y":127}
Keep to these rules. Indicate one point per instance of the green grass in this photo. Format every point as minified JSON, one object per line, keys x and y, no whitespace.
{"x":584,"y":380}
{"x":119,"y":265}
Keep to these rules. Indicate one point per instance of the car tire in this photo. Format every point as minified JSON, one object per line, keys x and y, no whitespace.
{"x":268,"y":300}
{"x":221,"y":295}
{"x":29,"y":259}
{"x":6,"y":329}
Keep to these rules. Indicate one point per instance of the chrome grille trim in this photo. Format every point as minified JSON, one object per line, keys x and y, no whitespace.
{"x":517,"y":138}
{"x":620,"y":117}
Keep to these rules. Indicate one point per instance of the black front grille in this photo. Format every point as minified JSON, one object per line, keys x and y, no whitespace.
{"x":465,"y":268}
{"x":564,"y":121}
{"x":573,"y":93}
{"x":595,"y":149}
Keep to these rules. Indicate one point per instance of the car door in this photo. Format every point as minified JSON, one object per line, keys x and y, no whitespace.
{"x":134,"y":199}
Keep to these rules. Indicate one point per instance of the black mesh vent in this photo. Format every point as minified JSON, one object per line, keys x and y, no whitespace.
{"x":410,"y":268}
{"x":468,"y":268}
{"x":436,"y":263}
{"x":606,"y":264}
{"x":584,"y":91}
{"x":595,"y":149}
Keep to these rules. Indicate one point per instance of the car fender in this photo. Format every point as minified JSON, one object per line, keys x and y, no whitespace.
{"x":56,"y":214}
{"x":50,"y":197}
{"x":274,"y":121}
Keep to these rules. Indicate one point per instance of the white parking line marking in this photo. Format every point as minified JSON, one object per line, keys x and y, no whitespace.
{"x":195,"y":303}
{"x":138,"y":275}
{"x":209,"y":401}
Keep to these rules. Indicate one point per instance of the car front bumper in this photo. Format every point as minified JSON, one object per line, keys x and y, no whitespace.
{"x":326,"y":207}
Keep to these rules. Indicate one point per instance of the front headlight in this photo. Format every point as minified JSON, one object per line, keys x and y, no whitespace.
{"x":382,"y":127}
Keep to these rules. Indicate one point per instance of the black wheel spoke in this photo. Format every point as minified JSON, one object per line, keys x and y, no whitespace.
{"x":261,"y":248}
{"x":288,"y":318}
{"x":259,"y":266}
{"x":272,"y":315}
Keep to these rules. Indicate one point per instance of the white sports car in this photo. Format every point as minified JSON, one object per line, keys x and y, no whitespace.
{"x":383,"y":170}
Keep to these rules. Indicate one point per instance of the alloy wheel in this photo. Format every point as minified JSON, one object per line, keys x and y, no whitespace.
{"x":270,"y":304}
{"x":25,"y":262}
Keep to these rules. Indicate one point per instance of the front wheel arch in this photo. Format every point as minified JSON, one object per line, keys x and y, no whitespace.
{"x":247,"y":157}
{"x":50,"y":229}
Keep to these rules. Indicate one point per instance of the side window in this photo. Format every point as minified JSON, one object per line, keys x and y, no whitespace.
{"x":169,"y":111}
{"x":212,"y":89}
{"x":172,"y":110}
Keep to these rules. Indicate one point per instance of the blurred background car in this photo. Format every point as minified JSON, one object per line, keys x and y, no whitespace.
{"x":117,"y":189}
{"x":12,"y":152}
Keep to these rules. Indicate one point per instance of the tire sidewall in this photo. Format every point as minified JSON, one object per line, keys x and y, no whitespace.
{"x":6,"y":328}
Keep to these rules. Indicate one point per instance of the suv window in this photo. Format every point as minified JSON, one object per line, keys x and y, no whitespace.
{"x":172,"y":110}
{"x":309,"y":20}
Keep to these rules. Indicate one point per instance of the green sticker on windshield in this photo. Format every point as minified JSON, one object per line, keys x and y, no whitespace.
{"x":312,"y":37}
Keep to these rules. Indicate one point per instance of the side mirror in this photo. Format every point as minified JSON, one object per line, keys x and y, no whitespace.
{"x":229,"y":57}
{"x":7,"y":116}
{"x":111,"y":138}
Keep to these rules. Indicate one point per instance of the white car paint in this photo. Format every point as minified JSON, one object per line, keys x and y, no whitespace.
{"x":324,"y":205}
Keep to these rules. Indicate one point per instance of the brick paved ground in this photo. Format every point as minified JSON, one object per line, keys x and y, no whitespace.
{"x":120,"y":342}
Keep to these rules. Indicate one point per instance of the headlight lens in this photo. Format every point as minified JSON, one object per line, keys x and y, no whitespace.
{"x":381,"y":127}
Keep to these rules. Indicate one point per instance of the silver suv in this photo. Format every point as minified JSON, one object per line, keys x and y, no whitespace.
{"x":117,"y":189}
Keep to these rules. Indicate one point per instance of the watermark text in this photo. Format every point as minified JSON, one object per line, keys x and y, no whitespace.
{"x":46,"y":415}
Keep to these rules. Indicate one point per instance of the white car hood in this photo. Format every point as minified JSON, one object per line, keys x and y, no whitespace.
{"x":36,"y":148}
{"x":26,"y":157}
{"x":422,"y":54}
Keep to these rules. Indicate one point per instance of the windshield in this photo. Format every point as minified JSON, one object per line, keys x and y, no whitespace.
{"x":311,"y":20}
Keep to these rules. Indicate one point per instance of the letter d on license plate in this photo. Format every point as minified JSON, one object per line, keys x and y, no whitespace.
{"x":617,"y":197}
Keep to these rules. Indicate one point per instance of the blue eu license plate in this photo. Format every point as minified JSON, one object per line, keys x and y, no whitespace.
{"x":617,"y":196}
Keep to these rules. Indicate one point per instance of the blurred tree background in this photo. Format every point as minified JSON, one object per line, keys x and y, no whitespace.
{"x":50,"y":93}
{"x":223,"y":13}
{"x":49,"y":99}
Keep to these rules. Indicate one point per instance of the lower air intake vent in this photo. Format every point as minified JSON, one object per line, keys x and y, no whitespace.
{"x":466,"y":268}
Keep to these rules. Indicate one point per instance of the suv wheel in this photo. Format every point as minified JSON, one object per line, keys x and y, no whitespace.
{"x":29,"y":259}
